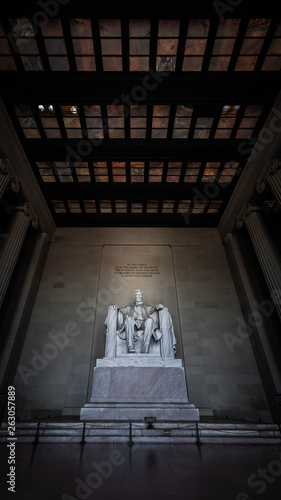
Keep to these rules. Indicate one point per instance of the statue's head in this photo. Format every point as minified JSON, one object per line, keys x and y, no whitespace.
{"x":138,"y":294}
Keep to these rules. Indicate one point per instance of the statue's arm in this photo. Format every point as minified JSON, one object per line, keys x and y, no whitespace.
{"x":124,"y":310}
{"x":158,"y":307}
{"x":113,"y":307}
{"x":122,"y":313}
{"x":153,"y":309}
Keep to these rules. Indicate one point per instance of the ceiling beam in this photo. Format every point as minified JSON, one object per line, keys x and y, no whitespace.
{"x":214,"y":88}
{"x":165,"y":8}
{"x":245,"y":189}
{"x":133,"y":150}
{"x":120,"y":220}
{"x":141,"y":192}
{"x":11,"y":148}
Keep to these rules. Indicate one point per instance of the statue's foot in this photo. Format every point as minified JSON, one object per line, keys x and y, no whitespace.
{"x":131,"y":350}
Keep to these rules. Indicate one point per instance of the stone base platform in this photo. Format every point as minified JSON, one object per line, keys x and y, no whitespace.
{"x":165,"y":412}
{"x":130,"y":388}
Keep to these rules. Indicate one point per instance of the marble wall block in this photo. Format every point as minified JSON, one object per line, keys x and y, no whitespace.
{"x":76,"y":288}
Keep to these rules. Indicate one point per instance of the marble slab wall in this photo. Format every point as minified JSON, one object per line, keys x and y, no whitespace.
{"x":66,"y":332}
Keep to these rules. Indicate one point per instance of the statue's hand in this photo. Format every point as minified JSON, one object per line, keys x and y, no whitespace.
{"x":159,"y":306}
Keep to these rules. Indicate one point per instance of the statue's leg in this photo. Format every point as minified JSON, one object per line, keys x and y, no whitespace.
{"x":148,"y":330}
{"x":130,"y":329}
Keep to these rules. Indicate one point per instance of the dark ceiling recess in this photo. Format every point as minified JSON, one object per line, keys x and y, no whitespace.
{"x":143,"y":115}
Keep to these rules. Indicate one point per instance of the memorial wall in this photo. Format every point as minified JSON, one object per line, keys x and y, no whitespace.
{"x":186,"y":270}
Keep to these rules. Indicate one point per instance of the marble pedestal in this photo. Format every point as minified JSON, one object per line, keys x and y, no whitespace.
{"x":135,"y":386}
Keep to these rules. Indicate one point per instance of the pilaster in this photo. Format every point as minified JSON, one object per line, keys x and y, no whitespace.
{"x":265,"y":249}
{"x":271,"y":175}
{"x":7,"y":176}
{"x":23,"y":217}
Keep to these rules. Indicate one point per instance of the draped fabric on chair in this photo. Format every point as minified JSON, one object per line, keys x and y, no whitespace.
{"x":164,"y":331}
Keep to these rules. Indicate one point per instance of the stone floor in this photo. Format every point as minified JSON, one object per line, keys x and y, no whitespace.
{"x":143,"y":472}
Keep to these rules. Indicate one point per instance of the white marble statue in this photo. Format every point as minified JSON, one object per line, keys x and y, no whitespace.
{"x":140,"y":322}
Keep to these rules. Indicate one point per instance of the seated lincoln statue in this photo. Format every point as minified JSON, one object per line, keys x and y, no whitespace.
{"x":139,"y":322}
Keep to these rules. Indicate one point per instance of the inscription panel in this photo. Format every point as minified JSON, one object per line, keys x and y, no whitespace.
{"x":124,"y":268}
{"x":137,"y":270}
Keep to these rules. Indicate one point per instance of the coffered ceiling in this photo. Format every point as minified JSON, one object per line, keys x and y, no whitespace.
{"x":142,"y":115}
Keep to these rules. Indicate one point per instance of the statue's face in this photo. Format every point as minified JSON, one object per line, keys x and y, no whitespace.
{"x":138,"y":296}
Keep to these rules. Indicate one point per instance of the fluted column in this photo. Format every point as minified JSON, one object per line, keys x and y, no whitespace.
{"x":266,"y":251}
{"x":12,"y":245}
{"x":271,"y":175}
{"x":7,"y":176}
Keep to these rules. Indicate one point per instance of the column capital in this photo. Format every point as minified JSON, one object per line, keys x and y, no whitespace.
{"x":7,"y":169}
{"x":271,"y":166}
{"x":27,"y":209}
{"x":30,"y":212}
{"x":246,"y":210}
{"x":3,"y":165}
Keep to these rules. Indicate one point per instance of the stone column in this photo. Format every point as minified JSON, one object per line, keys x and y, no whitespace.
{"x":13,"y":243}
{"x":271,"y":175}
{"x":266,"y":251}
{"x":7,"y":176}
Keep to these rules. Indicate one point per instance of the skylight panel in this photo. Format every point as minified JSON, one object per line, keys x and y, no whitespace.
{"x":46,"y":171}
{"x":55,"y":45}
{"x":27,"y":121}
{"x":249,"y":121}
{"x":252,"y":44}
{"x":139,"y":44}
{"x":83,"y":45}
{"x":137,"y":171}
{"x":155,"y":171}
{"x":160,"y":121}
{"x":192,"y":171}
{"x":195,"y":44}
{"x":167,"y":44}
{"x":116,"y":125}
{"x":138,"y":122}
{"x":110,"y":33}
{"x":174,"y":171}
{"x":272,"y":61}
{"x":100,"y":171}
{"x":119,"y":171}
{"x":182,"y":122}
{"x":71,"y":121}
{"x":24,"y":38}
{"x":94,"y":121}
{"x":59,"y":206}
